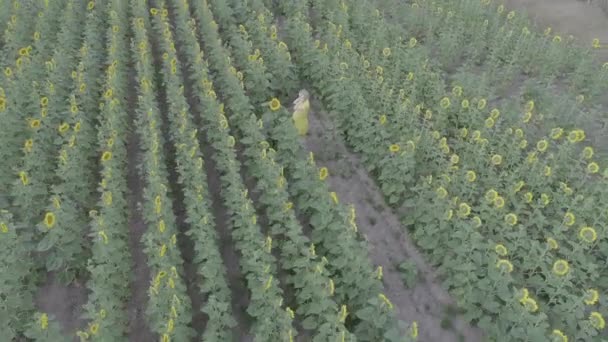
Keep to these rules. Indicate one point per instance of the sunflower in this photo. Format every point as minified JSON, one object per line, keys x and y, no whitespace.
{"x":552,"y":243}
{"x":394,"y":148}
{"x":27,"y":146}
{"x":94,"y":328}
{"x":476,"y":222}
{"x":557,"y":133}
{"x":593,"y":167}
{"x":523,"y":144}
{"x":542,"y":145}
{"x":587,"y":152}
{"x":471,"y":176}
{"x":64,"y":127}
{"x":489,"y":123}
{"x":519,"y":186}
{"x":465,"y":104}
{"x":23,"y":177}
{"x":457,"y":91}
{"x":595,"y":43}
{"x":501,"y":250}
{"x":413,"y":41}
{"x":587,"y":234}
{"x":545,"y":199}
{"x":558,"y":336}
{"x":444,"y":103}
{"x":49,"y":220}
{"x":323,"y":173}
{"x":35,"y":124}
{"x":491,"y":195}
{"x":44,"y":321}
{"x":454,"y":159}
{"x":529,"y":106}
{"x":591,"y":296}
{"x":482,"y":104}
{"x":107,"y":155}
{"x":386,"y":52}
{"x":597,"y":320}
{"x":511,"y":219}
{"x":275,"y":104}
{"x":504,"y":265}
{"x":464,"y":132}
{"x":464,"y":210}
{"x":441,"y":192}
{"x":530,"y":304}
{"x":496,"y":159}
{"x":569,"y":219}
{"x":561,"y":267}
{"x":499,"y":202}
{"x":334,"y":197}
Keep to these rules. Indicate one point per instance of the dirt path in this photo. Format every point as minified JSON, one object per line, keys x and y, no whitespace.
{"x":426,"y":302}
{"x":63,"y":302}
{"x":578,"y":18}
{"x":138,"y":328}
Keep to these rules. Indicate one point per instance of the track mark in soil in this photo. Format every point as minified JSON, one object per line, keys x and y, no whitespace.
{"x":389,"y":245}
{"x":63,"y":302}
{"x":138,"y":328}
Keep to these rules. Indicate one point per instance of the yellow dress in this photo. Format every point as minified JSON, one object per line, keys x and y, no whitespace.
{"x":300,"y":115}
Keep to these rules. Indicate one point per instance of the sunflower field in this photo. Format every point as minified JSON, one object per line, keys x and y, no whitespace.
{"x":149,"y":157}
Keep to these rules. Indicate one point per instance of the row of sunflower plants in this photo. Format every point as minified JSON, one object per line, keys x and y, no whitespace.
{"x":283,"y":84}
{"x":307,"y":274}
{"x":193,"y":179}
{"x":36,"y":169}
{"x":366,"y":328}
{"x":394,"y":150}
{"x":271,"y":319}
{"x":63,"y":241}
{"x":168,"y":310}
{"x":22,"y":66}
{"x":109,"y":274}
{"x":20,"y":287}
{"x":5,"y":13}
{"x":16,"y":266}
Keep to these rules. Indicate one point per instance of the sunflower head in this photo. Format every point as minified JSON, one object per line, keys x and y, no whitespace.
{"x":591,"y":296}
{"x":561,"y":267}
{"x":274,"y":104}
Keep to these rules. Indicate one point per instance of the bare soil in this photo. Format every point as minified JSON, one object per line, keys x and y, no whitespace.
{"x":63,"y":303}
{"x":138,"y":329}
{"x":580,"y":18}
